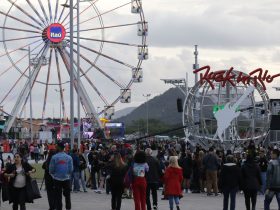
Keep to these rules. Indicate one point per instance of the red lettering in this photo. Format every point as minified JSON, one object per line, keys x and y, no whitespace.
{"x":61,"y":162}
{"x":256,"y":76}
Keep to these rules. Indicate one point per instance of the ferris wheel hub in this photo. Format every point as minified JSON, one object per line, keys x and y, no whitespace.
{"x":54,"y":33}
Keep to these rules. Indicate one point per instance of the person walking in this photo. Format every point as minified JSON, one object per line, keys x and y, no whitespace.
{"x":49,"y":182}
{"x":95,"y":168}
{"x":273,"y":180}
{"x":139,"y":184}
{"x":263,"y":163}
{"x":230,"y":182}
{"x":211,"y":164}
{"x":19,"y":174}
{"x":186,"y":163}
{"x":76,"y":171}
{"x":116,"y":171}
{"x":173,"y":178}
{"x":83,"y":167}
{"x":152,"y":177}
{"x":61,"y":168}
{"x":197,"y":173}
{"x":251,"y":176}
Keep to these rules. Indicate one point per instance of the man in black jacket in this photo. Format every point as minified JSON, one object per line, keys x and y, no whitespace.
{"x":273,"y":180}
{"x":263,"y":163}
{"x":230,"y":182}
{"x":152,"y":177}
{"x":95,"y":167}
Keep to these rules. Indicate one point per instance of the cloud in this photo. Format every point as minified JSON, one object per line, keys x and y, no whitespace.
{"x":218,"y":24}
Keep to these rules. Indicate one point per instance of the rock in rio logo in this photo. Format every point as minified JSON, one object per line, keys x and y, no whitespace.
{"x":56,"y":33}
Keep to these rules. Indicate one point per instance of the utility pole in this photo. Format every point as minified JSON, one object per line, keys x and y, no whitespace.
{"x":71,"y":74}
{"x":30,"y":96}
{"x":78,"y":73}
{"x":196,"y":65}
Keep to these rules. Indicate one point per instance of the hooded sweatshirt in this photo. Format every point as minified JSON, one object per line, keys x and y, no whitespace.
{"x":230,"y":177}
{"x":173,"y":178}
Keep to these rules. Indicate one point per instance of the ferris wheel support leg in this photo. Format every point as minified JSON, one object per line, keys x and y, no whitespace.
{"x":24,"y":93}
{"x":84,"y":97}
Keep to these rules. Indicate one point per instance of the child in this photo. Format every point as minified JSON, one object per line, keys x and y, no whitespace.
{"x":173,"y":178}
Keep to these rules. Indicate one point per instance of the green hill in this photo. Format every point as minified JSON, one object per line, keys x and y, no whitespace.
{"x":162,"y":109}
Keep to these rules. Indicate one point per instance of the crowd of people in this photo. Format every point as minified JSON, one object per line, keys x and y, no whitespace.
{"x":138,"y":171}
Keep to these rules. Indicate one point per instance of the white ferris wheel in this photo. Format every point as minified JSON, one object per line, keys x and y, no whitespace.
{"x":35,"y":55}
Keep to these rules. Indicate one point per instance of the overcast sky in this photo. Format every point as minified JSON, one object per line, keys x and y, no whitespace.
{"x":240,"y":34}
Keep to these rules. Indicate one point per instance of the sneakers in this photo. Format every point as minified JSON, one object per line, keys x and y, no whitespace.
{"x":155,"y":207}
{"x":98,"y":191}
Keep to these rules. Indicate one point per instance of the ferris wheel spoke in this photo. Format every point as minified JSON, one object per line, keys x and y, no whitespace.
{"x":36,"y":12}
{"x":20,"y":48}
{"x":44,"y":11}
{"x":26,"y":13}
{"x":50,"y":10}
{"x":61,"y":14}
{"x":22,"y":38}
{"x":92,"y":85}
{"x":111,"y":42}
{"x":106,"y":56}
{"x":47,"y":84}
{"x":56,"y":10}
{"x":18,"y":29}
{"x":91,"y":4}
{"x":65,"y":16}
{"x":108,"y":27}
{"x":13,"y":87}
{"x":10,"y":67}
{"x":17,"y":19}
{"x":101,"y":71}
{"x":85,"y":99}
{"x":111,"y":10}
{"x":60,"y":83}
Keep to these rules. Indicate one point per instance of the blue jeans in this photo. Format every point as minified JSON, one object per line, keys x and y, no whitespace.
{"x":263,"y":176}
{"x":232,"y":194}
{"x":76,"y":177}
{"x":268,"y":198}
{"x":175,"y":198}
{"x":82,"y":177}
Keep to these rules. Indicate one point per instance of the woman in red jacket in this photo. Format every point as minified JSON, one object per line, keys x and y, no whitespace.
{"x":173,"y":178}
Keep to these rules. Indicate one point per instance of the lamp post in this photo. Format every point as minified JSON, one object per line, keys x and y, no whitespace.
{"x":147,"y":108}
{"x":77,"y":7}
{"x":30,"y":91}
{"x":71,"y":74}
{"x":78,"y":73}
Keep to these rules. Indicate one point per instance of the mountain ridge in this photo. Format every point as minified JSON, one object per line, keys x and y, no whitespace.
{"x":162,"y":108}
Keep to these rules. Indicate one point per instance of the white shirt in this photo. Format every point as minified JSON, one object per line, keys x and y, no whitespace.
{"x":20,"y":180}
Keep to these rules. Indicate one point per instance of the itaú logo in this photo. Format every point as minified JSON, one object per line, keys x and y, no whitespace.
{"x":56,"y":33}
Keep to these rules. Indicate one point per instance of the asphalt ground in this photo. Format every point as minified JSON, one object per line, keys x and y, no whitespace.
{"x":94,"y":201}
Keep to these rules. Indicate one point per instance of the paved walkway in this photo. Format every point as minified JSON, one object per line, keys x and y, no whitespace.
{"x":93,"y":201}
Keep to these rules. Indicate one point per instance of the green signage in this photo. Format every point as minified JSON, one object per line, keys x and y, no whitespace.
{"x":221,"y":107}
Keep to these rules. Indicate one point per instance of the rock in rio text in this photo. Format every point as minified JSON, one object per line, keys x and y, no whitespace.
{"x":256,"y":76}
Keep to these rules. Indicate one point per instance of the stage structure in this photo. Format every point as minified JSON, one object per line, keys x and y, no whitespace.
{"x":226,"y":111}
{"x":112,"y":48}
{"x":225,"y":107}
